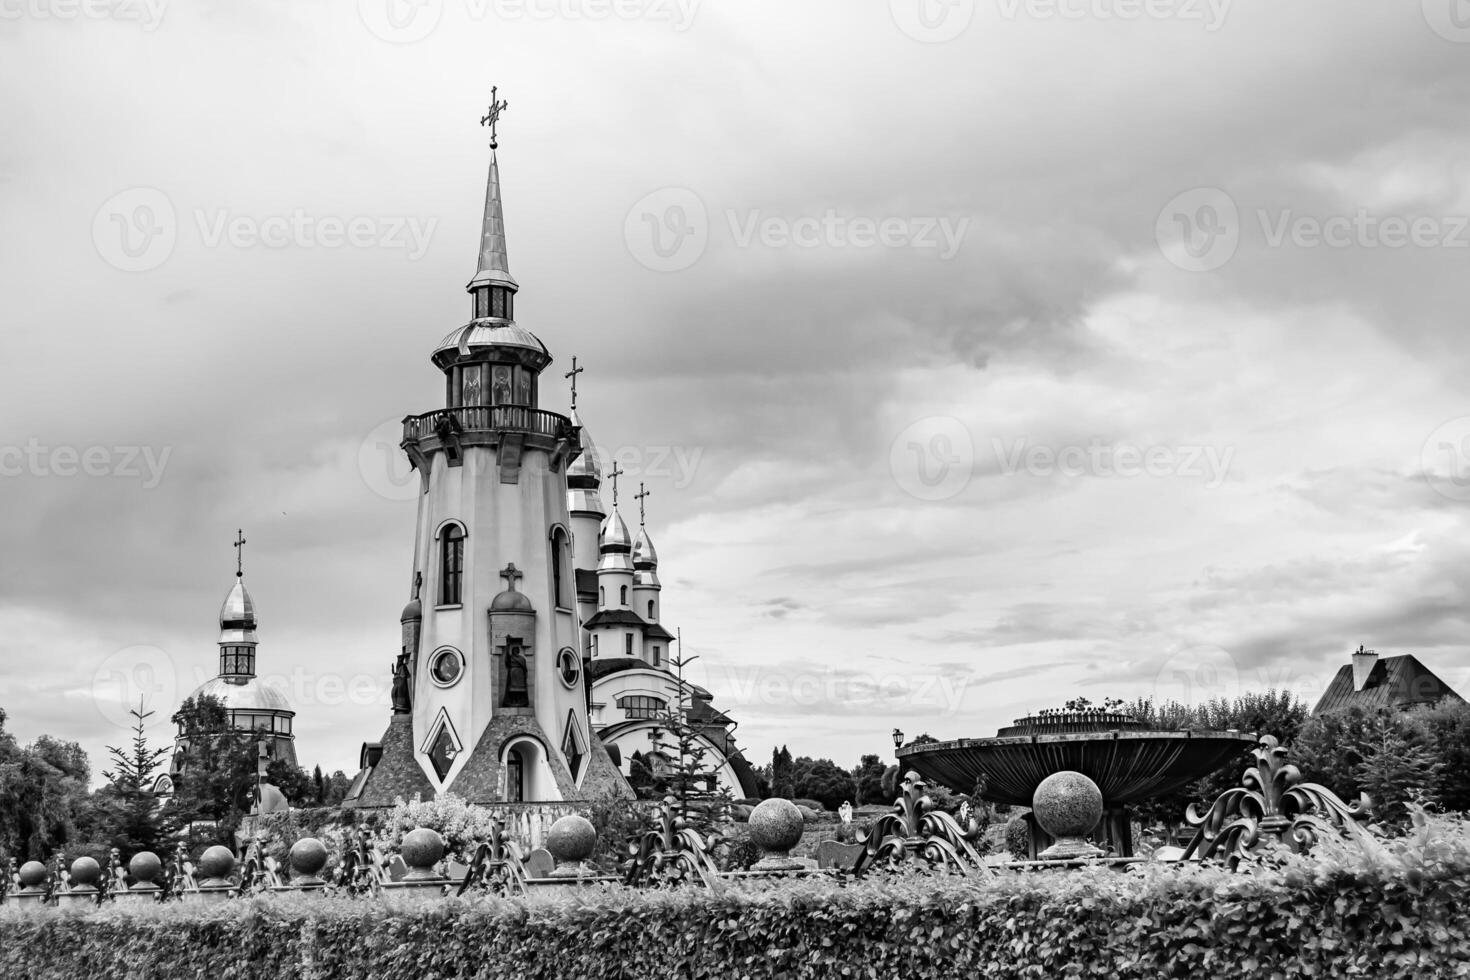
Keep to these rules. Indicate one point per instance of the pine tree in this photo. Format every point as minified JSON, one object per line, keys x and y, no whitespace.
{"x":691,"y":781}
{"x":133,"y":822}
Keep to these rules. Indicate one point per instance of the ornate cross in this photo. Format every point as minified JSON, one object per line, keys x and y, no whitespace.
{"x":573,"y":375}
{"x":511,"y":574}
{"x":493,"y":115}
{"x":239,"y":553}
{"x":640,"y":496}
{"x":613,"y":475}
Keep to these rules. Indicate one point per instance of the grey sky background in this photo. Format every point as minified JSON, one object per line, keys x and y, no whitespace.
{"x":977,"y":354}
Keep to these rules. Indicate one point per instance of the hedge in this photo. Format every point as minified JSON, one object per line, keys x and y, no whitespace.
{"x":1331,"y":914}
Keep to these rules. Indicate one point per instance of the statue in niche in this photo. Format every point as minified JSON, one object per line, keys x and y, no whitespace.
{"x":523,"y":387}
{"x":517,"y":694}
{"x":402,"y":698}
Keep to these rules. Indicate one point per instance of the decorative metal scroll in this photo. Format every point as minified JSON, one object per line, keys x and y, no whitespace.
{"x":1273,"y":805}
{"x":114,"y":877}
{"x":178,"y":875}
{"x":497,"y":867}
{"x":260,"y":872}
{"x":671,"y":853}
{"x":363,"y":868}
{"x":916,"y":831}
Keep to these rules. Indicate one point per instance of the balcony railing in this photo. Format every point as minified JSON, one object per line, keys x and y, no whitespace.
{"x":486,"y":418}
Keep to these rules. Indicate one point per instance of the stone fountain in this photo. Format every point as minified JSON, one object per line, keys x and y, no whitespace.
{"x":1128,"y":761}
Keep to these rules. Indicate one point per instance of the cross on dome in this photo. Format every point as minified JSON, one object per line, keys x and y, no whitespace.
{"x":613,"y":475}
{"x":239,"y":553}
{"x":572,"y":374}
{"x":641,"y":496}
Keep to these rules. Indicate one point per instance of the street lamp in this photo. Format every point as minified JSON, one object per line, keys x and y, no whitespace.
{"x":898,"y":738}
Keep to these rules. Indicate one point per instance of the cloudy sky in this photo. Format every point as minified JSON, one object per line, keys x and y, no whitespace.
{"x":977,"y":353}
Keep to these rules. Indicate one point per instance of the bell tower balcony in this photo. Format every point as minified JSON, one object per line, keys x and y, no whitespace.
{"x":510,"y":430}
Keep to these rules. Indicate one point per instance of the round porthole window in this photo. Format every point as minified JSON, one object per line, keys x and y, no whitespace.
{"x":446,"y":667}
{"x":569,"y":666}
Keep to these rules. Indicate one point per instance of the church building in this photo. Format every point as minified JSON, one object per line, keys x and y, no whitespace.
{"x":532,"y":659}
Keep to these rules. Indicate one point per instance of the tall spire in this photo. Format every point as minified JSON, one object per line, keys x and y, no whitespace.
{"x":494,"y":267}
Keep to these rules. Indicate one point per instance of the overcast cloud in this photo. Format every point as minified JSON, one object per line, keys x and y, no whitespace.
{"x":976,"y":353}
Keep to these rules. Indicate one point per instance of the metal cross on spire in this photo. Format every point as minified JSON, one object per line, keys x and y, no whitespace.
{"x":491,"y":117}
{"x":613,"y":475}
{"x":239,"y":553}
{"x":641,"y":496}
{"x":572,"y":374}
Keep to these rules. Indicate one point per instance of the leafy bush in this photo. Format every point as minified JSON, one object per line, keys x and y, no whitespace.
{"x":1333,"y":913}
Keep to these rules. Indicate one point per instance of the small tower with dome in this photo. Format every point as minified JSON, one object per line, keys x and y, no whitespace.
{"x":253,"y":704}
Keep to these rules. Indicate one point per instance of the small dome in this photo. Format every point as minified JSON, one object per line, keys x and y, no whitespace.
{"x":414,"y":610}
{"x":509,"y":601}
{"x":251,"y":694}
{"x":614,"y":534}
{"x":585,"y":472}
{"x":644,"y":555}
{"x":492,"y":333}
{"x":238,"y":612}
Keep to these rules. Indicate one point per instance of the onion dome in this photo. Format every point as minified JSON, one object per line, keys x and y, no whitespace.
{"x":237,"y":616}
{"x":584,"y":476}
{"x":614,"y":535}
{"x":644,"y":555}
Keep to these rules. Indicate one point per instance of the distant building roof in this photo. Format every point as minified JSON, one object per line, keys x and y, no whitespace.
{"x":615,"y":617}
{"x":1396,"y":682}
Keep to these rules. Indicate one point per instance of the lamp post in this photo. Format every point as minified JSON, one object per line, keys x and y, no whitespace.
{"x":897,"y":741}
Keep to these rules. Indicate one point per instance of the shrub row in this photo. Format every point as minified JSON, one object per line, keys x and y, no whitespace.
{"x":1333,"y":914}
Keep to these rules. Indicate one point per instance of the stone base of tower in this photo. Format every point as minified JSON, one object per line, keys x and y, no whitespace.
{"x":396,"y":775}
{"x":603,"y":776}
{"x":482,"y":780}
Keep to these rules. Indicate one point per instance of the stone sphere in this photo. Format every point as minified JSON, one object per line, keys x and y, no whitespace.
{"x":216,"y":862}
{"x":32,"y":874}
{"x":308,"y":857}
{"x":422,"y":848}
{"x":571,"y":839}
{"x":1067,"y":804}
{"x":85,"y":871}
{"x":145,"y":867}
{"x":776,"y":825}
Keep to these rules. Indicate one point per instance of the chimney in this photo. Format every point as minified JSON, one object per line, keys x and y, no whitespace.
{"x":1363,"y":662}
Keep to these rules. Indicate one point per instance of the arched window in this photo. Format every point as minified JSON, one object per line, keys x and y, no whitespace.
{"x":602,"y":595}
{"x":650,"y":610}
{"x":623,"y":596}
{"x":451,"y":565}
{"x":558,"y":583}
{"x":658,"y":655}
{"x":642,"y":706}
{"x":628,"y":644}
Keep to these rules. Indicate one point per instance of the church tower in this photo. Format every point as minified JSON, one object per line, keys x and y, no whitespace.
{"x":491,"y":668}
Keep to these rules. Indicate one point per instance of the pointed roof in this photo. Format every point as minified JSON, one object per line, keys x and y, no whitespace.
{"x":614,"y":534}
{"x":494,"y":266}
{"x":644,"y":555}
{"x":1392,"y":682}
{"x":238,"y":611}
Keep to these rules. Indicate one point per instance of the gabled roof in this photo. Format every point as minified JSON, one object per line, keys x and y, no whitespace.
{"x":1394,"y":682}
{"x":603,"y":666}
{"x":657,"y":632}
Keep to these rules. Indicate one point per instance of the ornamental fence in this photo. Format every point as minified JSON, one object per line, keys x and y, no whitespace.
{"x":1271,"y":809}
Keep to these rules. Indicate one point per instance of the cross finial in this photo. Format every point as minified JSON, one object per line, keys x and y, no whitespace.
{"x":641,"y":496}
{"x":613,"y":475}
{"x":511,"y":574}
{"x":573,"y":375}
{"x":239,"y":553}
{"x":491,"y":117}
